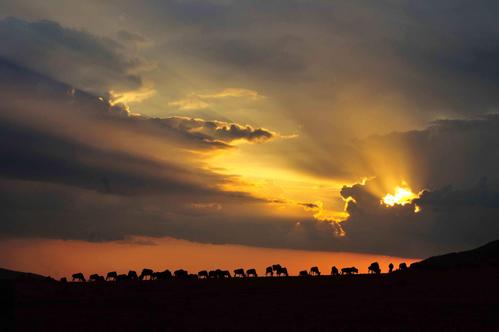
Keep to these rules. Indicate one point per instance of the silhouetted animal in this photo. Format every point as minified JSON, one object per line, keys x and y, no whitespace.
{"x":282,"y":271}
{"x":402,"y":266}
{"x":315,"y":271}
{"x":251,"y":272}
{"x":226,"y":274}
{"x":303,"y":273}
{"x":268,"y":271}
{"x":203,"y":274}
{"x":212,"y":274}
{"x":276,"y":268}
{"x":96,"y":277}
{"x":374,"y":268}
{"x":146,"y":273}
{"x":166,"y":274}
{"x":181,"y":273}
{"x":79,"y":277}
{"x":239,"y":273}
{"x":349,"y":270}
{"x":334,"y":271}
{"x":390,"y":268}
{"x":219,"y":274}
{"x":122,"y":277}
{"x":64,"y":280}
{"x":111,"y":276}
{"x":192,"y":276}
{"x":132,"y":275}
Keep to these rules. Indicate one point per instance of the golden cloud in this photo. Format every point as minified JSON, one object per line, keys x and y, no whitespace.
{"x":197,"y":101}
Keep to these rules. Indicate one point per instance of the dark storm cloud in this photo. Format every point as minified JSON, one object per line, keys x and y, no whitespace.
{"x":458,"y":209}
{"x":199,"y":133}
{"x":450,"y":218}
{"x":39,"y":156}
{"x":40,"y":209}
{"x":90,"y":63}
{"x":447,"y":152}
{"x":32,"y":148}
{"x":74,"y":183}
{"x":217,"y":130}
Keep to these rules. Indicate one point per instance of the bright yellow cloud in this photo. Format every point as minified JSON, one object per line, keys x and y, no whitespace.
{"x":196,"y":101}
{"x":289,"y":192}
{"x":133,"y":96}
{"x":402,"y":195}
{"x":233,"y":92}
{"x":189,"y":104}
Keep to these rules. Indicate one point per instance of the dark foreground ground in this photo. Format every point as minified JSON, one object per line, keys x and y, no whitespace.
{"x":465,"y":300}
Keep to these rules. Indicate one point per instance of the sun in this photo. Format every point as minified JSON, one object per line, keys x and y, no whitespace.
{"x":402,"y":195}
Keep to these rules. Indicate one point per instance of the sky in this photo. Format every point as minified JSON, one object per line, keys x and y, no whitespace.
{"x":313,"y":128}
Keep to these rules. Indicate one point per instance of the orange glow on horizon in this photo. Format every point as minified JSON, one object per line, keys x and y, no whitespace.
{"x":59,"y":258}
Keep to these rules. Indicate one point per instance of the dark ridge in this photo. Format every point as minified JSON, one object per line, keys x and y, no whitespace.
{"x":484,"y":256}
{"x":16,"y":275}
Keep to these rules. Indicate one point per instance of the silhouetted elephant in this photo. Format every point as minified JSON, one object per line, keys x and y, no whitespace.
{"x":315,"y":271}
{"x":303,"y":273}
{"x":96,"y":277}
{"x":212,"y":274}
{"x":111,"y":276}
{"x":122,"y":277}
{"x":146,"y":273}
{"x":239,"y":273}
{"x":192,"y":276}
{"x":181,"y":273}
{"x":79,"y":277}
{"x":63,"y":280}
{"x":282,"y":271}
{"x":402,"y":266}
{"x":334,"y":271}
{"x":251,"y":273}
{"x":349,"y":270}
{"x":374,"y":268}
{"x":132,"y":275}
{"x":390,"y":268}
{"x":203,"y":274}
{"x":276,"y":268}
{"x":226,"y":274}
{"x":268,"y":271}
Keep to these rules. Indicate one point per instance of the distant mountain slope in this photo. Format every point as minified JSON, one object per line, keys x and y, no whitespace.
{"x":487,"y":255}
{"x":15,"y":275}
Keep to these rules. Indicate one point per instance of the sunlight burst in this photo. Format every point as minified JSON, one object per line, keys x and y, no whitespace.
{"x":403,"y":195}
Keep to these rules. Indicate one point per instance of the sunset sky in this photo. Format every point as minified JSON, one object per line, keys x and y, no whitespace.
{"x":212,"y":132}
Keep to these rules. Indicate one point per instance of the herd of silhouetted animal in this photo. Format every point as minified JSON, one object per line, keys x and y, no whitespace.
{"x":270,"y":271}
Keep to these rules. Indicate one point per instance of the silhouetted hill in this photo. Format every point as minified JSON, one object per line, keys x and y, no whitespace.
{"x":484,"y":256}
{"x":16,"y":275}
